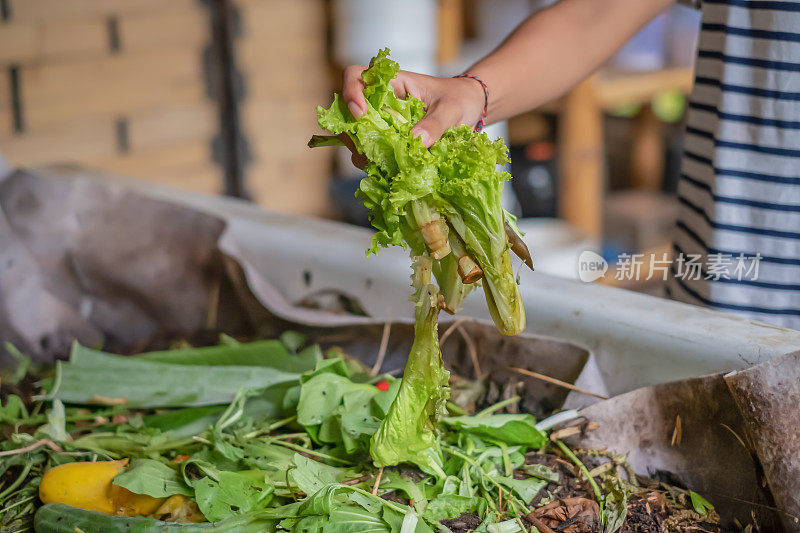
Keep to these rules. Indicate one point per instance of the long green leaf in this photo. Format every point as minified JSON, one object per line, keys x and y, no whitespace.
{"x":91,"y":375}
{"x":269,"y":353}
{"x":511,"y":429}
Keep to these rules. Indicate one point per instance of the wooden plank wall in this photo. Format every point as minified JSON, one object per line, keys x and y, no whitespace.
{"x":120,"y":85}
{"x":117,"y":85}
{"x":280,"y":54}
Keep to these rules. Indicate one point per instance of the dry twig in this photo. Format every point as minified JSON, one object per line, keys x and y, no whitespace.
{"x":387,"y":328}
{"x":105,"y":400}
{"x":726,"y":426}
{"x":449,"y":331}
{"x":473,"y":353}
{"x":573,"y":430}
{"x":30,"y":447}
{"x":377,"y":482}
{"x":558,"y":382}
{"x":541,"y":526}
{"x":677,"y":433}
{"x":358,"y":480}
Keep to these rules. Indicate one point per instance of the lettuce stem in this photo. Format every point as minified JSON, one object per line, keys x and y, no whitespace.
{"x":499,"y":405}
{"x":468,"y":269}
{"x":433,"y":228}
{"x":585,"y":471}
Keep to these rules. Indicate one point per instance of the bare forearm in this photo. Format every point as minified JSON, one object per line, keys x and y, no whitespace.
{"x":556,"y":48}
{"x":544,"y":57}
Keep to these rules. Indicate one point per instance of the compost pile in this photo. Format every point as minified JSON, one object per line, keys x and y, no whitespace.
{"x":269,"y":435}
{"x":291,"y":452}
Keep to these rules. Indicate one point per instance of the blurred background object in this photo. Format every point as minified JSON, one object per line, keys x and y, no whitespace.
{"x":219,"y":96}
{"x":118,"y":85}
{"x":211,"y":96}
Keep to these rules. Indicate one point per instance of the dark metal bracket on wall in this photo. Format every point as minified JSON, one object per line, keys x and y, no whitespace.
{"x":225,"y":85}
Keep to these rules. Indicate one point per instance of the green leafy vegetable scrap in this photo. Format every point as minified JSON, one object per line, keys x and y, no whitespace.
{"x":445,"y":200}
{"x":444,"y":203}
{"x":409,"y":431}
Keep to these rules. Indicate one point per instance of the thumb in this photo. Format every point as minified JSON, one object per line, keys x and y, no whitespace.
{"x":440,"y":118}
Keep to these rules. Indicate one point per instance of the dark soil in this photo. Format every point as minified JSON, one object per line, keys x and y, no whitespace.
{"x":644,"y":515}
{"x":568,"y":506}
{"x":393,"y":496}
{"x":465,"y":522}
{"x":568,"y":486}
{"x":25,"y":389}
{"x":649,"y":512}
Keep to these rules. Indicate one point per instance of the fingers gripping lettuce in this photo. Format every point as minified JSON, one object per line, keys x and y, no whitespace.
{"x":445,"y":201}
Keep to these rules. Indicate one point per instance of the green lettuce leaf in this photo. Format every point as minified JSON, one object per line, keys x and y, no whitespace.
{"x":408,"y":186}
{"x":542,"y":472}
{"x":408,"y":433}
{"x":232,"y":493}
{"x":355,"y":519}
{"x":472,"y":190}
{"x":527,"y":489}
{"x":447,"y":506}
{"x":507,"y":428}
{"x":311,"y":476}
{"x":335,"y":410}
{"x":13,"y":410}
{"x":153,"y":478}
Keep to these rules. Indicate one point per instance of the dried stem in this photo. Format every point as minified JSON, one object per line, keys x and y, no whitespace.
{"x":358,"y":480}
{"x":572,"y":430}
{"x":451,"y":329}
{"x":30,"y":447}
{"x":473,"y":353}
{"x":558,"y":382}
{"x":377,"y":482}
{"x":468,"y":270}
{"x":538,"y":524}
{"x":433,"y":228}
{"x":387,"y":328}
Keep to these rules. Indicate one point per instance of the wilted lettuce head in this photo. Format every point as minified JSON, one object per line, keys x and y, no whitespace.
{"x":445,"y":200}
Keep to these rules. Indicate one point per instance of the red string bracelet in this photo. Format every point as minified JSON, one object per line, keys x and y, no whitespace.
{"x":479,"y":124}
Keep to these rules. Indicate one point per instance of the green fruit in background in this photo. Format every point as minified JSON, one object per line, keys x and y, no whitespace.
{"x":669,"y":106}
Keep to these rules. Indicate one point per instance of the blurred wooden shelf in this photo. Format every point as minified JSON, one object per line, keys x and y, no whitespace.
{"x":615,"y":89}
{"x":581,"y":153}
{"x":451,"y":29}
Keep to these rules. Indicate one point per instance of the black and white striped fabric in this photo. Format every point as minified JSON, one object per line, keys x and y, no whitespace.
{"x":739,"y":191}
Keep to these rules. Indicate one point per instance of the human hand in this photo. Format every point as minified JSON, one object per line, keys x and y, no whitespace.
{"x":449,"y":102}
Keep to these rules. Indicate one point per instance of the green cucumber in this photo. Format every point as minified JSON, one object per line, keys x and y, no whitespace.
{"x":61,"y":518}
